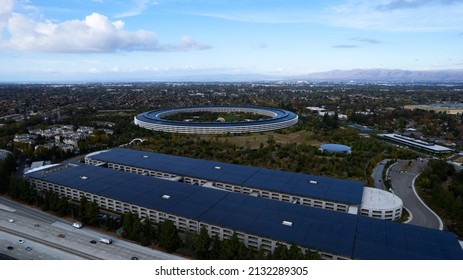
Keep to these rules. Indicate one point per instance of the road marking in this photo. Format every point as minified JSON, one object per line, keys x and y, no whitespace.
{"x":6,"y":208}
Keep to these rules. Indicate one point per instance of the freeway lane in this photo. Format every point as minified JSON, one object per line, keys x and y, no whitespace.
{"x":27,"y":211}
{"x":41,"y":230}
{"x":40,"y":248}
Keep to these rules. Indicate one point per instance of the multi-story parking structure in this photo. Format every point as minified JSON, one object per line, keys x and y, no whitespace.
{"x":258,"y":222}
{"x":279,"y":119}
{"x":416,"y":143}
{"x":308,"y":190}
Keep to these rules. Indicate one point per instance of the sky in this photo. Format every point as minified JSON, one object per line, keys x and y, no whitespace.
{"x":79,"y":40}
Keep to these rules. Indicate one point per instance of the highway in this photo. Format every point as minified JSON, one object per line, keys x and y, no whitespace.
{"x":41,"y":232}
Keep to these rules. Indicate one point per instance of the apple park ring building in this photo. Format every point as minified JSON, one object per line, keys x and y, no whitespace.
{"x":154,"y":120}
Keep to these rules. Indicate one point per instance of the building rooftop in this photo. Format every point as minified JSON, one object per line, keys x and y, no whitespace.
{"x":416,"y":143}
{"x":335,"y":148}
{"x":379,"y":199}
{"x":155,"y":116}
{"x":325,"y":188}
{"x":339,"y":233}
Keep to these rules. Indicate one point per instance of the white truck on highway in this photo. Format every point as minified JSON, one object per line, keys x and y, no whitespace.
{"x":105,"y":240}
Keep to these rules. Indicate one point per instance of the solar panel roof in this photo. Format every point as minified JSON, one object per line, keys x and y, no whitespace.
{"x":339,"y":233}
{"x":325,"y":188}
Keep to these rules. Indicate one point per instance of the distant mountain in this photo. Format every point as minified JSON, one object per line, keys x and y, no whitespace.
{"x":357,"y":75}
{"x":386,"y":75}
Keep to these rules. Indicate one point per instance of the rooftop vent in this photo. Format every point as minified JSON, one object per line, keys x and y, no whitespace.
{"x":83,"y":177}
{"x":313,"y":182}
{"x":217,"y":167}
{"x":166,"y":196}
{"x":287,"y":223}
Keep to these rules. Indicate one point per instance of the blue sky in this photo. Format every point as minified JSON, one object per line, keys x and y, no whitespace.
{"x":147,"y":39}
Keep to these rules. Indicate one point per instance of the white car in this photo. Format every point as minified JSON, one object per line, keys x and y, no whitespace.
{"x":11,"y":220}
{"x":77,"y":225}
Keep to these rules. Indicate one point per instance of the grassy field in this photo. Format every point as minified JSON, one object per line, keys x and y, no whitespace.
{"x":256,"y":139}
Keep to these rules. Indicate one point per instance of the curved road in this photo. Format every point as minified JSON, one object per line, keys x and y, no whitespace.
{"x":378,"y":174}
{"x":402,"y":179}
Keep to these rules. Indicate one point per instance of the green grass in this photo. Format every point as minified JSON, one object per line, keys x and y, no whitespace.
{"x":255,"y":140}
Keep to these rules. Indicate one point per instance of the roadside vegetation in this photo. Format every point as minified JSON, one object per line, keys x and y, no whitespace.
{"x":441,"y":187}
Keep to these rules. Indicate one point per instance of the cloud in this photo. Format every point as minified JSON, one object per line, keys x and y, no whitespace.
{"x":411,"y":4}
{"x":6,"y":6}
{"x":345,"y":46}
{"x":94,"y":34}
{"x":357,"y":39}
{"x":262,"y":46}
{"x":426,"y":16}
{"x":139,"y":6}
{"x":365,"y":40}
{"x":384,"y":15}
{"x":186,"y":44}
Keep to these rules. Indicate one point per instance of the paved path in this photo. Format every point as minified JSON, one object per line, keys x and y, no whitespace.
{"x":402,"y":180}
{"x":378,"y":175}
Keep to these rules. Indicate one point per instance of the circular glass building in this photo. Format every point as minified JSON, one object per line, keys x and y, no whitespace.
{"x":278,"y":119}
{"x":335,"y":148}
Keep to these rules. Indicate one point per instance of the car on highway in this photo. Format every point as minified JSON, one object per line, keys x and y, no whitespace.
{"x":20,"y":241}
{"x":93,"y":241}
{"x":77,"y":225}
{"x":11,"y":220}
{"x":10,"y":247}
{"x":28,"y":248}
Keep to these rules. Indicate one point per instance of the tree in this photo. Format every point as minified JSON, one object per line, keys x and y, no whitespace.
{"x":83,"y":205}
{"x":309,"y":255}
{"x":233,"y":249}
{"x":92,"y":212}
{"x":202,"y":243}
{"x":88,"y":212}
{"x":63,"y":206}
{"x":295,"y":253}
{"x":149,"y":232}
{"x":127,"y":224}
{"x":168,"y":236}
{"x":261,"y":254}
{"x":4,"y":179}
{"x":216,"y":246}
{"x":281,"y":252}
{"x":9,"y":164}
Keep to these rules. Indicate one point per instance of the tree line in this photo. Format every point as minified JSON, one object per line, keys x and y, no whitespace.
{"x":200,"y":245}
{"x":442,"y":188}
